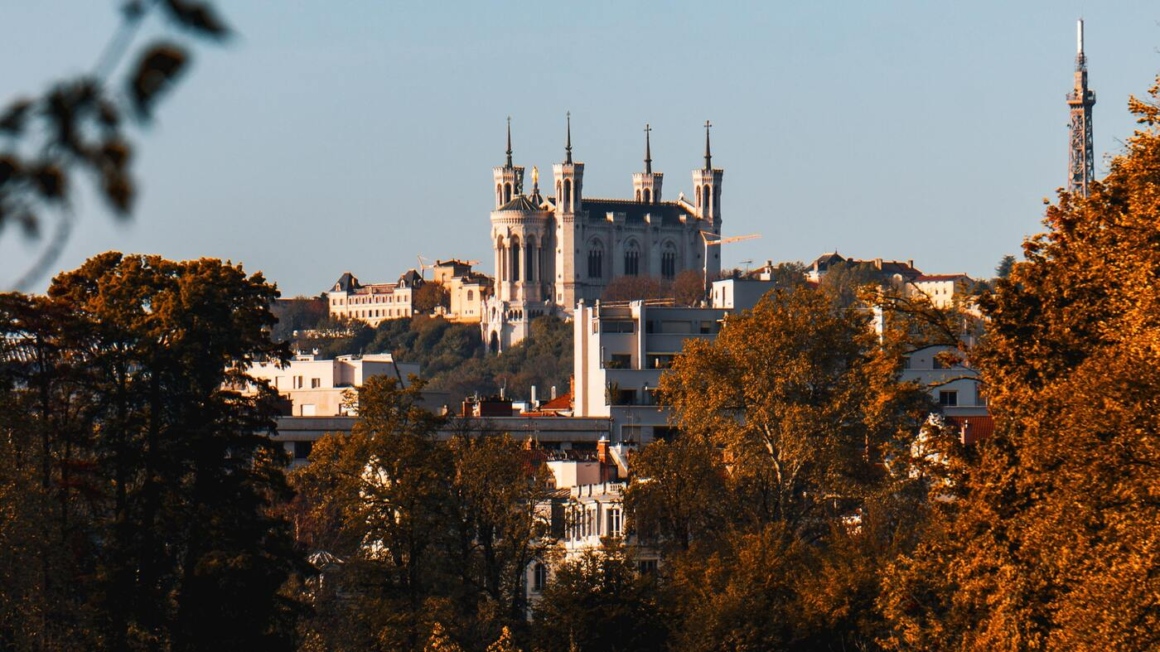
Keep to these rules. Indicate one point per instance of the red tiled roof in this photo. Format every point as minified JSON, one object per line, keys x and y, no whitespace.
{"x":973,"y":429}
{"x":561,"y":402}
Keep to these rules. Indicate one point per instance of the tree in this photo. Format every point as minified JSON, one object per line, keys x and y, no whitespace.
{"x":803,"y":400}
{"x":429,"y":296}
{"x":1006,"y":264}
{"x":797,"y":415}
{"x":165,"y":473}
{"x":427,"y":531}
{"x":78,"y":127}
{"x":600,"y":602}
{"x":1052,"y":545}
{"x":678,"y":492}
{"x":688,"y":288}
{"x":635,"y":288}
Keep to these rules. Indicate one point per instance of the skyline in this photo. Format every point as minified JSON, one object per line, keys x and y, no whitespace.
{"x":322,"y":141}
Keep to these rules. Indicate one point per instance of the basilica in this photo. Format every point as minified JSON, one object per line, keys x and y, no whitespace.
{"x":556,"y":247}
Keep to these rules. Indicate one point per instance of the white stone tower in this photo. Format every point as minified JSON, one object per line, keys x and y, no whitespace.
{"x":707,"y":200}
{"x":569,"y":177}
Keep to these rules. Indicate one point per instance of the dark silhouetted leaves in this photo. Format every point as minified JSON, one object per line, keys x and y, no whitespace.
{"x":158,"y":68}
{"x":12,"y":121}
{"x":9,"y":168}
{"x":199,"y":17}
{"x":50,"y":182}
{"x":118,"y":189}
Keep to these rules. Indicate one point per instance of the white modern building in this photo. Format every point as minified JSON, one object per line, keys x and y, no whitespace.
{"x":619,"y":353}
{"x":317,"y":388}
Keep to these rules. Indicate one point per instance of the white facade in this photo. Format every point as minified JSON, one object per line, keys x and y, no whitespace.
{"x":553,"y":250}
{"x":619,"y":353}
{"x":738,"y":293}
{"x":955,"y":387}
{"x":944,"y":290}
{"x":316,"y":387}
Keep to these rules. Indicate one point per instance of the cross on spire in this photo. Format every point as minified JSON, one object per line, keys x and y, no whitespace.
{"x":568,"y":143}
{"x":647,"y":150}
{"x":708,"y":155}
{"x":509,"y":142}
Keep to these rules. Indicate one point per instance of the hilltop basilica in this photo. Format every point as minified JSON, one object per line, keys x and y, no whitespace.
{"x":556,"y":247}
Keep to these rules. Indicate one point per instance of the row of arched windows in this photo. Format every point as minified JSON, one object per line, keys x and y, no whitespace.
{"x":631,"y":260}
{"x":705,"y":193}
{"x":519,"y":260}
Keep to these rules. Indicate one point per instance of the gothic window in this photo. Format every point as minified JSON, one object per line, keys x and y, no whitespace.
{"x":669,"y":261}
{"x":507,"y":192}
{"x":638,"y":195}
{"x":647,"y":196}
{"x":503,"y":261}
{"x":699,"y":197}
{"x":515,"y":249}
{"x":498,"y":195}
{"x":632,"y":259}
{"x":596,"y":260}
{"x":708,"y":197}
{"x":567,"y":194}
{"x":532,"y":260}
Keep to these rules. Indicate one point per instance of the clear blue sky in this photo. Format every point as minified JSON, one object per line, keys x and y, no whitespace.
{"x":342,"y":135}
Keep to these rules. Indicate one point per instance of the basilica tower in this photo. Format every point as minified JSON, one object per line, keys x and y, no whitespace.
{"x":569,"y":177}
{"x":646,"y":186}
{"x":1081,"y":166}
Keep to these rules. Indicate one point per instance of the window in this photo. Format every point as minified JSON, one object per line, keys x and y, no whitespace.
{"x":614,"y":522}
{"x":948,"y":398}
{"x":302,"y":449}
{"x":620,"y":361}
{"x":470,"y":295}
{"x":515,"y":249}
{"x":298,"y":382}
{"x":669,"y":262}
{"x":315,"y":383}
{"x":596,"y":261}
{"x":647,"y":567}
{"x":631,"y":260}
{"x":539,"y":577}
{"x":618,"y":326}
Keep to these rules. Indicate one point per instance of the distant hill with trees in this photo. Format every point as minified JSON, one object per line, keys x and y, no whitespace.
{"x":452,"y":357}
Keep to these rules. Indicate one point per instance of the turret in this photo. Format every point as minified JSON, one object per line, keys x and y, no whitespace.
{"x":646,"y":186}
{"x":707,"y":188}
{"x":509,"y":179}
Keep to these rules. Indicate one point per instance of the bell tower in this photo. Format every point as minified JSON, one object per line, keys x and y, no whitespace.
{"x":707,"y":189}
{"x":569,"y":177}
{"x":1081,"y":166}
{"x":509,"y":179}
{"x":646,"y":186}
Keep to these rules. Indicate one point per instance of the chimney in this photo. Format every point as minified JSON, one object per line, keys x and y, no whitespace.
{"x":533,"y":401}
{"x":602,"y":450}
{"x":553,"y":392}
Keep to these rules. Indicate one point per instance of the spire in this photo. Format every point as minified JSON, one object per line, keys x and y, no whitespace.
{"x":647,"y":150}
{"x":568,"y":143}
{"x":708,"y":155}
{"x":1081,"y":163}
{"x":509,"y":143}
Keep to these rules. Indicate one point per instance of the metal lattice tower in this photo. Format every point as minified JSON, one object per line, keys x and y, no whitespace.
{"x":1081,"y":166}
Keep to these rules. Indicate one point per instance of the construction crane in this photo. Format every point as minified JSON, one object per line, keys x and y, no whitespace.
{"x":424,"y":266}
{"x":713,"y":240}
